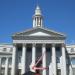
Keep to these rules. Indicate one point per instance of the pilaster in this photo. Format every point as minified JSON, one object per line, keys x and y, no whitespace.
{"x":6,"y":66}
{"x":0,"y":65}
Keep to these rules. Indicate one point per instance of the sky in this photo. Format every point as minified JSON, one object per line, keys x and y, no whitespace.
{"x":16,"y":16}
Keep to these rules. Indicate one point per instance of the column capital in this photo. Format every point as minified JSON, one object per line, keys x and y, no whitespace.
{"x":63,"y":45}
{"x":33,"y":44}
{"x":53,"y":45}
{"x":24,"y":44}
{"x":44,"y":44}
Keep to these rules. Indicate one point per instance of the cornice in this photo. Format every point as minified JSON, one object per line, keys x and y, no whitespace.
{"x":38,"y":37}
{"x":29,"y":31}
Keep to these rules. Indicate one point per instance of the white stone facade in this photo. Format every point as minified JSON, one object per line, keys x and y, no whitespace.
{"x":28,"y":46}
{"x":6,"y":54}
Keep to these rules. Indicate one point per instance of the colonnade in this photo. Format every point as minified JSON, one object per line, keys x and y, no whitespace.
{"x":6,"y":65}
{"x":54,"y":64}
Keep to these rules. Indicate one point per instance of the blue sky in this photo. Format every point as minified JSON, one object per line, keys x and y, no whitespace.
{"x":16,"y":16}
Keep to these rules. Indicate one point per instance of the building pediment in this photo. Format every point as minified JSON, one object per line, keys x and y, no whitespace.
{"x":38,"y":32}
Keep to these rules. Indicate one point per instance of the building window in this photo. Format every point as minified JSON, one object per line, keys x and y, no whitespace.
{"x":10,"y":61}
{"x":73,"y":71}
{"x":19,"y":72}
{"x":2,"y":71}
{"x":9,"y":71}
{"x":11,"y":49}
{"x":58,"y":71}
{"x":58,"y":54}
{"x":19,"y":56}
{"x":4,"y":49}
{"x":3,"y":61}
{"x":72,"y":49}
{"x":58,"y":59}
{"x":73,"y":60}
{"x":19,"y":59}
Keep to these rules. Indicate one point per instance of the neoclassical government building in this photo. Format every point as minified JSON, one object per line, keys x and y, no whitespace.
{"x":35,"y":43}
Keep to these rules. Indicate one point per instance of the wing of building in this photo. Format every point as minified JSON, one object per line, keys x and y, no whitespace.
{"x":29,"y":46}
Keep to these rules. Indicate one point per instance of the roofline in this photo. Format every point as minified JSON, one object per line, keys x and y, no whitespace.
{"x":6,"y":44}
{"x":40,"y":28}
{"x":70,"y":44}
{"x":54,"y":31}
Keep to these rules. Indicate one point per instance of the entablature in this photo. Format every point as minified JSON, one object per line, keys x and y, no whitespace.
{"x":39,"y":41}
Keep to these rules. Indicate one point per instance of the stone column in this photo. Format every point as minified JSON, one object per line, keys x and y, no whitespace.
{"x":14,"y":60}
{"x":23,"y":58}
{"x":0,"y":65}
{"x":44,"y":58}
{"x":54,"y":59}
{"x":36,"y":21}
{"x":33,"y":22}
{"x":50,"y":69}
{"x":41,"y":22}
{"x":33,"y":57}
{"x":6,"y":66}
{"x":64,"y":67}
{"x":71,"y":70}
{"x":33,"y":53}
